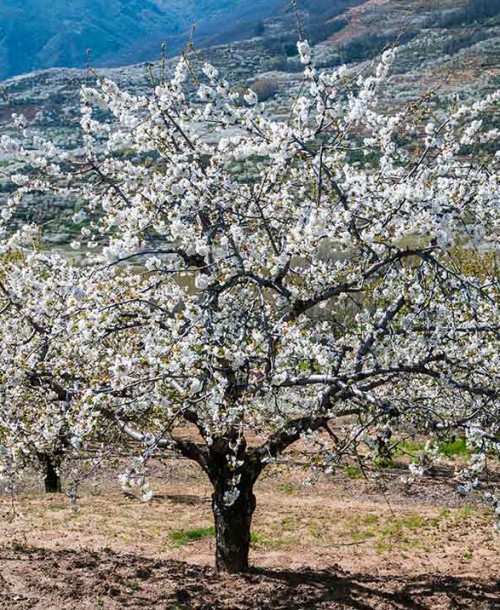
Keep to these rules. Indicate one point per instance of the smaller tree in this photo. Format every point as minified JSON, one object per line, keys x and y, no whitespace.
{"x":41,"y":382}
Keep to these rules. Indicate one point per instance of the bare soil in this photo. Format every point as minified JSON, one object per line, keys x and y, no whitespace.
{"x":340,"y":543}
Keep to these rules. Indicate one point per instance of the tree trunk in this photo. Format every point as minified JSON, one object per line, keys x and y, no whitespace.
{"x":232,"y":528}
{"x":52,"y":477}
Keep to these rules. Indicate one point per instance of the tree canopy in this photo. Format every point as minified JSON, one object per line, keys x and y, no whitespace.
{"x":257,"y":282}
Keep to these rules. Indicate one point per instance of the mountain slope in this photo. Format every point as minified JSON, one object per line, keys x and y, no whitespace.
{"x":37,"y":34}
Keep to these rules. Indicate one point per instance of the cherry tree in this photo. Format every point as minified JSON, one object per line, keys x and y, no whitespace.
{"x":40,"y":379}
{"x":264,"y":282}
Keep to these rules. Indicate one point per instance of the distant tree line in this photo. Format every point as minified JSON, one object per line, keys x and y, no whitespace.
{"x":319,"y":21}
{"x":370,"y":45}
{"x":474,"y":10}
{"x":464,"y":41}
{"x":316,"y":31}
{"x":481,"y":9}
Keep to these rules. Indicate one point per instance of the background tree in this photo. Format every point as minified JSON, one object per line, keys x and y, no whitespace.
{"x":285,"y":293}
{"x":46,"y":410}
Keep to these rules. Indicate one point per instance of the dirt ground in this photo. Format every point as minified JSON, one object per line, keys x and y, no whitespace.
{"x":341,"y":543}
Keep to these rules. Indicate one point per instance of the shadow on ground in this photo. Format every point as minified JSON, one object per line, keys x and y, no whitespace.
{"x":39,"y":579}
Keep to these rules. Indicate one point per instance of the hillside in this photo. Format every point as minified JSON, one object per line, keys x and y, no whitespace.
{"x":447,"y":47}
{"x":35,"y":34}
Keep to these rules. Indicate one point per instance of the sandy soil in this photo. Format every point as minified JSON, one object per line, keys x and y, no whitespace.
{"x":341,"y":543}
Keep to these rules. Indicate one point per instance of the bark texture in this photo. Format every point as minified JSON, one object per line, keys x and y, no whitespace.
{"x":232,"y":515}
{"x":232,"y":527}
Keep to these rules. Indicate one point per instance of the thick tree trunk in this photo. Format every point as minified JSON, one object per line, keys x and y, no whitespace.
{"x":232,"y":527}
{"x":50,"y":466}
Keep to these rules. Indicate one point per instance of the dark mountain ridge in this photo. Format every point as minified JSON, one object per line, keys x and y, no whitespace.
{"x":36,"y":34}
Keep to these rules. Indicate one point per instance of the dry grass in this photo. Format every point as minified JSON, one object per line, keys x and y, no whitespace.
{"x":350,"y":522}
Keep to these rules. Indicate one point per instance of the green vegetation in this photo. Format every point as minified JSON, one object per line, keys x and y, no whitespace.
{"x":389,"y":463}
{"x":182,"y":537}
{"x":468,"y":554}
{"x":370,"y":519}
{"x":454,"y":448}
{"x":287,"y":488}
{"x":360,"y":535}
{"x":258,"y":539}
{"x":60,"y":506}
{"x":408,"y":446}
{"x":451,"y":448}
{"x":353,"y":472}
{"x":395,"y":528}
{"x":19,"y":546}
{"x":465,"y":511}
{"x":388,"y":533}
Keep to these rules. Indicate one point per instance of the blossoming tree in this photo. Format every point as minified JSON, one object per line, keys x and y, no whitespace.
{"x":263,"y":288}
{"x":42,"y":376}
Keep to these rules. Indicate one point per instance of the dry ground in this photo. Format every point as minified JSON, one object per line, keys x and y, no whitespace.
{"x":341,"y":543}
